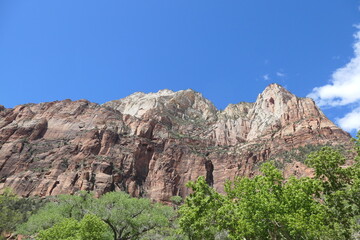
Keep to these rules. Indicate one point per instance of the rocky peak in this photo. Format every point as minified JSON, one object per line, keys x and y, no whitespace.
{"x":273,"y":100}
{"x":184,"y":104}
{"x":276,"y":88}
{"x":276,"y":108}
{"x":239,"y":110}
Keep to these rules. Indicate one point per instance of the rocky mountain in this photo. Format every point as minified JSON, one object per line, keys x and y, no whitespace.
{"x":153,"y":144}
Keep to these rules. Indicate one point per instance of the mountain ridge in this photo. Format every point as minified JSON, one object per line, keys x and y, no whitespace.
{"x":152,"y":144}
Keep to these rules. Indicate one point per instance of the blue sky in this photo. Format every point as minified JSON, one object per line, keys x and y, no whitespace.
{"x":227,"y":50}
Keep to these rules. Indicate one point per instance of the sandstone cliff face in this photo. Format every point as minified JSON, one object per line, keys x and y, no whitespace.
{"x":153,"y":144}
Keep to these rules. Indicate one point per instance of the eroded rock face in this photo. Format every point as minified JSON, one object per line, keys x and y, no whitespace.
{"x":153,"y":144}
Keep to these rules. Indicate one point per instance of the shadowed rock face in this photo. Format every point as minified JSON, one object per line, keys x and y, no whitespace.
{"x":153,"y":144}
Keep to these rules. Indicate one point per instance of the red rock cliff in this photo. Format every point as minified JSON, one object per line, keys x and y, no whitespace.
{"x":153,"y":144}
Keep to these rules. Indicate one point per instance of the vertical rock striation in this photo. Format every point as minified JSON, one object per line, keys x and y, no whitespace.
{"x":153,"y":144}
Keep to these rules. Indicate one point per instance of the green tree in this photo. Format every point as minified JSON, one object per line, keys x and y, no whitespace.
{"x":15,"y":210}
{"x":9,"y":217}
{"x":126,"y":217}
{"x":176,"y":201}
{"x":89,"y":228}
{"x":55,"y":211}
{"x":341,"y":189}
{"x":265,"y":207}
{"x":131,"y":218}
{"x":198,"y":218}
{"x":271,"y":207}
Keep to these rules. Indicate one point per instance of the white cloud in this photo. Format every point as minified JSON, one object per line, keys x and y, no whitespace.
{"x":343,"y":89}
{"x":266,"y":77}
{"x":280,"y":74}
{"x":351,"y":121}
